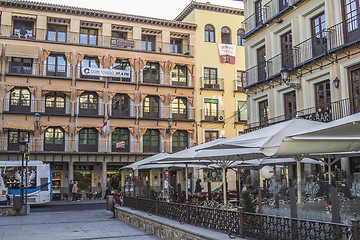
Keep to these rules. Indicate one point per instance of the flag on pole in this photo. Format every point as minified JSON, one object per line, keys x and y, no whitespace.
{"x":106,"y":126}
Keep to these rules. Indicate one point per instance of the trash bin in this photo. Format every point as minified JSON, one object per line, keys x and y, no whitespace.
{"x":17,"y":202}
{"x":110,"y":203}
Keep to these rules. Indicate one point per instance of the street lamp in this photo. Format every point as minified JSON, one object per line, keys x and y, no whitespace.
{"x":285,"y":77}
{"x":22,"y":148}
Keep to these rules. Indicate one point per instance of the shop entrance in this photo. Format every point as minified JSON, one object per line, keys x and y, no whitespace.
{"x":84,"y":180}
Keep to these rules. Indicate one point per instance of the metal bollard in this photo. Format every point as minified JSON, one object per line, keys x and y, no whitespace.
{"x":355,"y":228}
{"x":110,"y":204}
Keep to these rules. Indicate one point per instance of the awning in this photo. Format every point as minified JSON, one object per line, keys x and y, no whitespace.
{"x":130,"y":94}
{"x":50,"y":88}
{"x":9,"y":87}
{"x":20,"y":125}
{"x":13,"y":50}
{"x":23,"y":16}
{"x":80,"y":91}
{"x":45,"y":125}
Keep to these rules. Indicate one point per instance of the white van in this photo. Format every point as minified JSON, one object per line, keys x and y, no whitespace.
{"x":4,"y":196}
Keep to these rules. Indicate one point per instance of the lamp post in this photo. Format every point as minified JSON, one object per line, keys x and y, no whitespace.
{"x":27,"y":155}
{"x":22,"y":148}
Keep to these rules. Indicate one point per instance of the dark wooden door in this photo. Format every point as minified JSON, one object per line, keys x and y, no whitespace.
{"x":290,"y":105}
{"x":263,"y":113}
{"x":261,"y":61}
{"x":354,"y":79}
{"x":351,"y":17}
{"x":258,"y":13}
{"x":286,"y":50}
{"x":319,"y":35}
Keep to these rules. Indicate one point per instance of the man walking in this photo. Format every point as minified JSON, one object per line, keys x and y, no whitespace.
{"x":108,"y":188}
{"x":71,"y":184}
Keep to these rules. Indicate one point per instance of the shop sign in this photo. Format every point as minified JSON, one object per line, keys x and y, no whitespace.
{"x":103,"y":72}
{"x":83,"y":167}
{"x":227,"y":53}
{"x":57,"y":167}
{"x":118,"y":42}
{"x":120,"y":144}
{"x":322,"y":115}
{"x":113,"y":167}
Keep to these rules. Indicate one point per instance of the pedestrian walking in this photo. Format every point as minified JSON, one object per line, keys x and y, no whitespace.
{"x":108,"y":187}
{"x":74,"y":192}
{"x":71,"y":184}
{"x":198,"y":187}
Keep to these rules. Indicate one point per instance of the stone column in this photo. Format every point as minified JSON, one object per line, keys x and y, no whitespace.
{"x":345,"y":166}
{"x":71,"y":171}
{"x":103,"y":179}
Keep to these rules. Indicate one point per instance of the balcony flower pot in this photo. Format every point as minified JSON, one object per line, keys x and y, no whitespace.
{"x":22,"y":33}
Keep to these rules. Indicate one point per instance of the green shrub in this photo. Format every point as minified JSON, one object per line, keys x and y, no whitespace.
{"x":248,"y":205}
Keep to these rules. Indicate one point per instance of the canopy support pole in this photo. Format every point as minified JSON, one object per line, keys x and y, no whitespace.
{"x":329,"y":169}
{"x":298,"y":158}
{"x":186,"y":182}
{"x":224,"y":184}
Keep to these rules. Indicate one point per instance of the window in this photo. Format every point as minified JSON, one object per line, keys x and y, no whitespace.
{"x":88,"y":104}
{"x":240,"y":37}
{"x":148,"y":42}
{"x":120,"y":105}
{"x":89,"y":62}
{"x":211,"y":135}
{"x":151,"y":107}
{"x":21,"y":66}
{"x":240,"y":80}
{"x":88,"y":140}
{"x":151,"y":141}
{"x":225,"y":35}
{"x":322,"y":94}
{"x":319,"y":35}
{"x":117,"y":34}
{"x":15,"y":136}
{"x":242,"y":111}
{"x":261,"y":61}
{"x":55,"y":102}
{"x":20,"y":100}
{"x":263,"y":113}
{"x":179,"y":109}
{"x":179,"y":141}
{"x":290,"y":105}
{"x":354,"y":78}
{"x":54,"y":139}
{"x":121,"y":64}
{"x":211,"y":109}
{"x":179,"y":76}
{"x":351,"y":16}
{"x":258,"y":13}
{"x":209,"y":33}
{"x":24,"y":29}
{"x":151,"y":73}
{"x":56,"y":33}
{"x":120,"y":140}
{"x":175,"y":45}
{"x":283,"y":4}
{"x":211,"y":78}
{"x":56,"y":65}
{"x":286,"y":50}
{"x":88,"y":36}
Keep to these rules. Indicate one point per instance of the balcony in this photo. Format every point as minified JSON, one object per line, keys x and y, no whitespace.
{"x":90,"y":109}
{"x":274,"y":8}
{"x":253,"y":22}
{"x":325,"y":113}
{"x":239,"y":85}
{"x":209,"y":115}
{"x":37,"y":106}
{"x":38,"y":69}
{"x":216,"y":84}
{"x":344,"y":33}
{"x":183,"y":114}
{"x":119,"y":111}
{"x":68,"y":37}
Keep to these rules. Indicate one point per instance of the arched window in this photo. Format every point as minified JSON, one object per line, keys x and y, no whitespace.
{"x":120,"y":105}
{"x":151,"y":107}
{"x":179,"y":140}
{"x":88,"y":140}
{"x":240,"y":37}
{"x":209,"y":33}
{"x":54,"y":139}
{"x":151,"y":141}
{"x":120,"y":140}
{"x":225,"y":35}
{"x":20,"y":100}
{"x":121,"y":64}
{"x":179,"y":108}
{"x":89,"y":103}
{"x":55,"y":102}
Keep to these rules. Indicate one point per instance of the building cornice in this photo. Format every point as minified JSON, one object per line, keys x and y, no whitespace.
{"x":46,"y":7}
{"x":208,"y":7}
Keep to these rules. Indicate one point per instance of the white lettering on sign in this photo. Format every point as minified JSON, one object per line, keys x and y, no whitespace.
{"x":103,"y":72}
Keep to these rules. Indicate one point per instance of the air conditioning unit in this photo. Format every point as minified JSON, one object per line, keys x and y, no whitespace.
{"x":221,"y":118}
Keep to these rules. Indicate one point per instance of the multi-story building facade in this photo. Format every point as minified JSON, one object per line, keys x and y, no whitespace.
{"x":219,"y":69}
{"x":49,"y":100}
{"x":302,"y":60}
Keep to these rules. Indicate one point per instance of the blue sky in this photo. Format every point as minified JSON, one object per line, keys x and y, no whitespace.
{"x":164,"y":9}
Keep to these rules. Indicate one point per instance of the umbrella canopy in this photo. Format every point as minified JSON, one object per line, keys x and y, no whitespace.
{"x":177,"y":165}
{"x":136,"y":165}
{"x":342,"y":135}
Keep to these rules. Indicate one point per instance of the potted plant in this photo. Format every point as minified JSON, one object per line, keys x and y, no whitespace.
{"x":22,"y":33}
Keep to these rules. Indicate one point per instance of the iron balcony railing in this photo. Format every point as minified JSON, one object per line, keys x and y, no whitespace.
{"x":325,"y":113}
{"x":168,"y":113}
{"x":49,"y":106}
{"x":253,"y":21}
{"x":344,"y":33}
{"x":90,"y":108}
{"x":275,"y":7}
{"x":29,"y":68}
{"x":41,"y":34}
{"x":212,"y":115}
{"x":212,"y":84}
{"x":121,"y":110}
